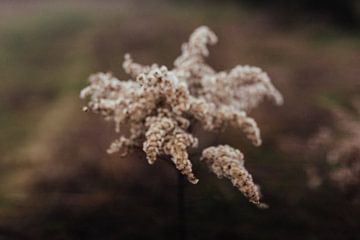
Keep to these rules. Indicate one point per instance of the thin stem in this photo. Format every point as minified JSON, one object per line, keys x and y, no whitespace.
{"x":181,"y":215}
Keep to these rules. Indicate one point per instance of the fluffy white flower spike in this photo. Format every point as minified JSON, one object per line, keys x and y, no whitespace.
{"x":160,"y":105}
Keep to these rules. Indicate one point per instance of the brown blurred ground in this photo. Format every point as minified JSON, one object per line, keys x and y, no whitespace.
{"x":57,"y":182}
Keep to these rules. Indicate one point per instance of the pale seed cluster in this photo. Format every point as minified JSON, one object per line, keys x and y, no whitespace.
{"x":158,"y":106}
{"x":228,"y":162}
{"x":345,"y":151}
{"x":342,"y":147}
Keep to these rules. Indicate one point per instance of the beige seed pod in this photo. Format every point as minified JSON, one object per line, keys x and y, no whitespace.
{"x":121,"y":144}
{"x":176,"y":146}
{"x":228,"y":162}
{"x":243,"y":87}
{"x":158,"y":128}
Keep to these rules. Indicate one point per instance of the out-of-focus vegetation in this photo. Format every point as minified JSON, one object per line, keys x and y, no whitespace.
{"x":56,"y":181}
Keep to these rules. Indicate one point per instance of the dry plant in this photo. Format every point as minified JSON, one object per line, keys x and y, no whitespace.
{"x":159,"y":106}
{"x":341,"y":145}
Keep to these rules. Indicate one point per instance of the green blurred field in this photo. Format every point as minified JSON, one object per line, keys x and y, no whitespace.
{"x":56,"y":180}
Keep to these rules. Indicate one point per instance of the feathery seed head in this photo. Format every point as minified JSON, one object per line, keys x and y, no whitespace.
{"x":160,"y":106}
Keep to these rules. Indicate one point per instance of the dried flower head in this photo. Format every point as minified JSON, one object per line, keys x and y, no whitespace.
{"x":160,"y":106}
{"x":342,"y":147}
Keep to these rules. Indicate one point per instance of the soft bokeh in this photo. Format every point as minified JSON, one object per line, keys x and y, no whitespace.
{"x":56,"y":180}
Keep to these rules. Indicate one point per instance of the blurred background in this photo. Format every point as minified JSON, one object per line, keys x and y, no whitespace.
{"x":56,"y":180}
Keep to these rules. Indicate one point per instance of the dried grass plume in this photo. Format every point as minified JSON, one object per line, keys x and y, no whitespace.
{"x":160,"y":106}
